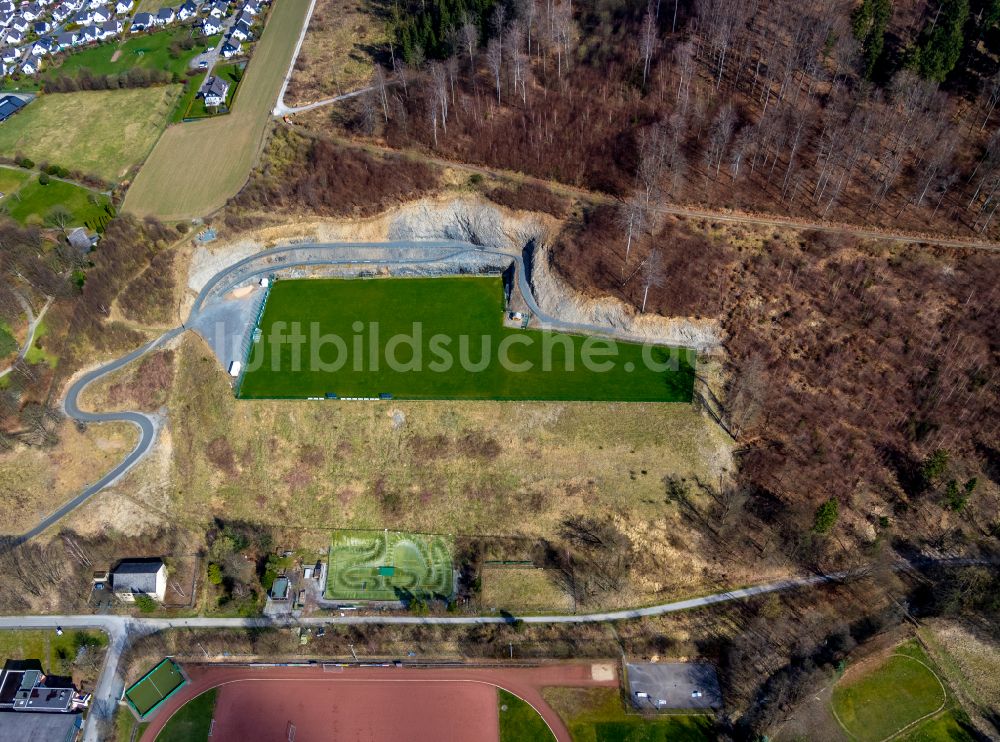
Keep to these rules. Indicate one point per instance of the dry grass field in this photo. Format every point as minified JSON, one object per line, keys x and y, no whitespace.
{"x":524,"y":589}
{"x":104,"y":133}
{"x":486,"y":468}
{"x":34,"y":482}
{"x":336,"y":56}
{"x":196,"y":167}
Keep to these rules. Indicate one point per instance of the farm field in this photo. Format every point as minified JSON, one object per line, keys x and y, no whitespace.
{"x":386,"y":565}
{"x":497,"y":362}
{"x":596,"y":715}
{"x":103,"y":133}
{"x":150,"y":52}
{"x":225,"y":148}
{"x":33,"y":202}
{"x":882,"y":700}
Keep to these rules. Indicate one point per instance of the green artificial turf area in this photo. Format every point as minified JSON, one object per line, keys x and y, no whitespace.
{"x":386,"y":565}
{"x":192,"y":722}
{"x":157,"y":51}
{"x":519,"y":721}
{"x":440,"y":338}
{"x":889,"y":697}
{"x":33,"y":203}
{"x":597,"y":715}
{"x":155,"y":686}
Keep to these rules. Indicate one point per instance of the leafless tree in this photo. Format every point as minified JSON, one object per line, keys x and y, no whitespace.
{"x":647,"y":40}
{"x":378,"y":82}
{"x":514,"y":41}
{"x":494,"y":60}
{"x":439,"y":92}
{"x":470,"y":40}
{"x":562,"y":32}
{"x":632,"y":219}
{"x":652,"y":273}
{"x":718,"y":137}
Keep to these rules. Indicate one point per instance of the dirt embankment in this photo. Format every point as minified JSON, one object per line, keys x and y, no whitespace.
{"x":473,"y":220}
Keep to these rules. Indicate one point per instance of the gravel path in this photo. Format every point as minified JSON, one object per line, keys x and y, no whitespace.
{"x":33,"y":323}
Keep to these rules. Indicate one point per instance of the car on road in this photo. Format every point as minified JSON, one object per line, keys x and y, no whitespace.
{"x":59,"y":631}
{"x":203,"y":65}
{"x":210,"y":49}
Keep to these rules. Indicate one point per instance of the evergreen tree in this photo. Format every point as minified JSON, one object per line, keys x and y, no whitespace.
{"x":941,"y":42}
{"x":869,"y":24}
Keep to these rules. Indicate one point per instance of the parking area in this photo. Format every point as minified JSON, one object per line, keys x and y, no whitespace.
{"x":673,"y":685}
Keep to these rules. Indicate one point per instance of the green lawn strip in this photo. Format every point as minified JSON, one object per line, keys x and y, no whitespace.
{"x":34,"y":202}
{"x":886,"y":699}
{"x":948,"y":726}
{"x":192,"y":721}
{"x":191,"y":87}
{"x":231,"y":73}
{"x":37,"y":353}
{"x":597,"y":715}
{"x":126,"y":725}
{"x":8,"y":343}
{"x":151,"y":52}
{"x":458,"y":317}
{"x":45,"y":645}
{"x":12,"y":178}
{"x":519,"y":721}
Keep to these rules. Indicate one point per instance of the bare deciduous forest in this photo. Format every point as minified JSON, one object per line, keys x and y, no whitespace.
{"x":835,"y":111}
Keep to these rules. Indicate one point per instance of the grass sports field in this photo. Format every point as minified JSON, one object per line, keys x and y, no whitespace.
{"x":385,"y":565}
{"x":193,"y":721}
{"x":883,"y":700}
{"x":103,"y":132}
{"x":459,"y":317}
{"x":225,"y":147}
{"x":519,"y":720}
{"x":156,"y":685}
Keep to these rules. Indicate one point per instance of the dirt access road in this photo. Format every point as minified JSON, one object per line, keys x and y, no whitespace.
{"x":689,"y":212}
{"x":361,"y":703}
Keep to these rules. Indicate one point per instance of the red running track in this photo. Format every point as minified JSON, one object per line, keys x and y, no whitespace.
{"x":369,"y":704}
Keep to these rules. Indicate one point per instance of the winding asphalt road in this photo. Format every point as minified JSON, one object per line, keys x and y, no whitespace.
{"x":242,"y":271}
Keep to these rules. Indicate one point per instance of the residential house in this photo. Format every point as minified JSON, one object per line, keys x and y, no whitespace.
{"x":123,"y":6}
{"x":18,"y":23}
{"x":84,"y":17}
{"x":245,"y":17}
{"x":134,"y":577}
{"x":42,"y":47}
{"x":67,"y":39}
{"x":31,"y":12}
{"x":90,"y":34}
{"x":165,"y":16}
{"x":31,"y":66}
{"x":5,"y":19}
{"x":210,"y":26}
{"x":187,"y":10}
{"x":111,"y":28}
{"x":102,"y":14}
{"x":41,"y":27}
{"x":251,"y":8}
{"x":61,"y":13}
{"x":231,"y":48}
{"x":240,"y":31}
{"x":219,"y":9}
{"x":13,"y":36}
{"x":9,"y":105}
{"x":10,"y":54}
{"x":214,"y":91}
{"x":84,"y":242}
{"x":141,"y":22}
{"x":6,"y":6}
{"x":95,"y":4}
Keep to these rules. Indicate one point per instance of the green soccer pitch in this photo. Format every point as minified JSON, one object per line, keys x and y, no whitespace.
{"x":440,"y":338}
{"x":388,"y":565}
